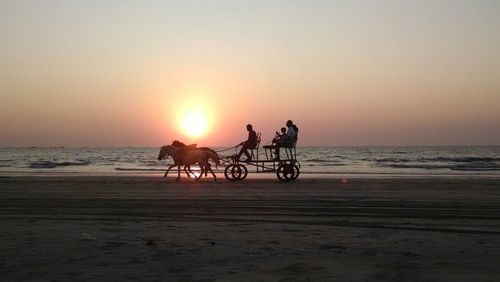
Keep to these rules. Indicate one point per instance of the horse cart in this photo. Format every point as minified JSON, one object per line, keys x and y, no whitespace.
{"x":287,"y":167}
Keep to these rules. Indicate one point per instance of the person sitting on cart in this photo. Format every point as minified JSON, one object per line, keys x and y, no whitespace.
{"x":280,"y":136}
{"x":250,"y":143}
{"x":289,"y":139}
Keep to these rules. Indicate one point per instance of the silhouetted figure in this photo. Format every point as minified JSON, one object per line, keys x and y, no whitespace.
{"x":289,"y":140}
{"x":250,"y":143}
{"x":296,"y":138}
{"x":280,"y":136}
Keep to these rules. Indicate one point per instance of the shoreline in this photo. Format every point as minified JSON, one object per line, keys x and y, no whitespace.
{"x":251,"y":175}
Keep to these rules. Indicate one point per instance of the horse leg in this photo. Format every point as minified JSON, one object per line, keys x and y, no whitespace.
{"x":168,"y":169}
{"x":187,"y":169}
{"x":190,"y":171}
{"x":206,"y":168}
{"x":178,"y":173}
{"x":211,"y":171}
{"x":202,"y":169}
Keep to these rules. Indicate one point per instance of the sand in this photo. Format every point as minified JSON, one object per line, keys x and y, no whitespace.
{"x":150,"y":228}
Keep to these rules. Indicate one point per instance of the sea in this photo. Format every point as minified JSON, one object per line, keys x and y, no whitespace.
{"x":480,"y":161}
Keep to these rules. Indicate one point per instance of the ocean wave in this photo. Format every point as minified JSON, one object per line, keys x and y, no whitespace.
{"x":477,"y":167}
{"x":393,"y":160}
{"x":468,"y":167}
{"x":421,"y":166}
{"x":49,"y":164}
{"x":467,"y":159}
{"x":150,"y":164}
{"x":399,"y":160}
{"x":329,"y":160}
{"x":438,"y":159}
{"x":325,"y":164}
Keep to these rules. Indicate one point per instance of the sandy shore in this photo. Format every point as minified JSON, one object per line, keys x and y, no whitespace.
{"x":149,"y":228}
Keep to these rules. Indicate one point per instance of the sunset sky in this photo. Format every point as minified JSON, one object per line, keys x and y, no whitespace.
{"x":127,"y":73}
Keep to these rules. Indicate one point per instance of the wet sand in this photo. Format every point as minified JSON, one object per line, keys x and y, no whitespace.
{"x":150,"y":228}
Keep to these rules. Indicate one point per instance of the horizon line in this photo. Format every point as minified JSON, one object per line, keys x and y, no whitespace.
{"x":222,"y":146}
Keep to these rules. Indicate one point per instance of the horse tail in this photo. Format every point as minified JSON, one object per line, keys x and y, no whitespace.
{"x":211,"y":154}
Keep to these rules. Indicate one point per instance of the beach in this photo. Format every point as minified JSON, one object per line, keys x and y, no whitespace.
{"x":150,"y":228}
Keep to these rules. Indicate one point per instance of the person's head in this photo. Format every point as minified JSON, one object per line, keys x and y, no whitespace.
{"x":289,"y":123}
{"x":283,"y":129}
{"x":249,"y":127}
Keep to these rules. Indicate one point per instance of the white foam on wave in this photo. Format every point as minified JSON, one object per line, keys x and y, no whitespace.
{"x":50,"y":164}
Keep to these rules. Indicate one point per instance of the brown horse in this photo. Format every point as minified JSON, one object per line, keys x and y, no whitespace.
{"x":187,"y":168}
{"x":188,"y":157}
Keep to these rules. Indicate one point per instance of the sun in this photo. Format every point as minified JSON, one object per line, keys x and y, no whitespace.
{"x":194,"y":123}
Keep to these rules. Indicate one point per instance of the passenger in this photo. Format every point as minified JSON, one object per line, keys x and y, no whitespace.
{"x":250,"y":143}
{"x":280,"y":136}
{"x":294,"y":141}
{"x":289,"y":141}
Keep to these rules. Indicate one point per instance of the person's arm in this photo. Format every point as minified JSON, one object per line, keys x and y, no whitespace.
{"x":248,"y":139}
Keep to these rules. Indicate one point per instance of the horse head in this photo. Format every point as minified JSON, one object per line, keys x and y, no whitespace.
{"x":163,"y":153}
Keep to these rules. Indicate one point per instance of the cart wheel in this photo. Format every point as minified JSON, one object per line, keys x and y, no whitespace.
{"x":228,"y":172}
{"x":235,"y":172}
{"x":296,"y":172}
{"x":244,"y":172}
{"x":239,"y":172}
{"x":296,"y":163}
{"x":286,"y":172}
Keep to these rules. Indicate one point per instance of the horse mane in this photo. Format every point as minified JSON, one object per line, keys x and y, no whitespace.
{"x":179,"y":144}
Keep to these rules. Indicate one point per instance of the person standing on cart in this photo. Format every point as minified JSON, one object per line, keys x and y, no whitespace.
{"x":250,"y":143}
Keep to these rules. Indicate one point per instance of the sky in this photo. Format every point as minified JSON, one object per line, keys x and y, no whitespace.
{"x":348,"y":73}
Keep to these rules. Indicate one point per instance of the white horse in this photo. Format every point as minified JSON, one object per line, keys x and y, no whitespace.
{"x":188,"y":157}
